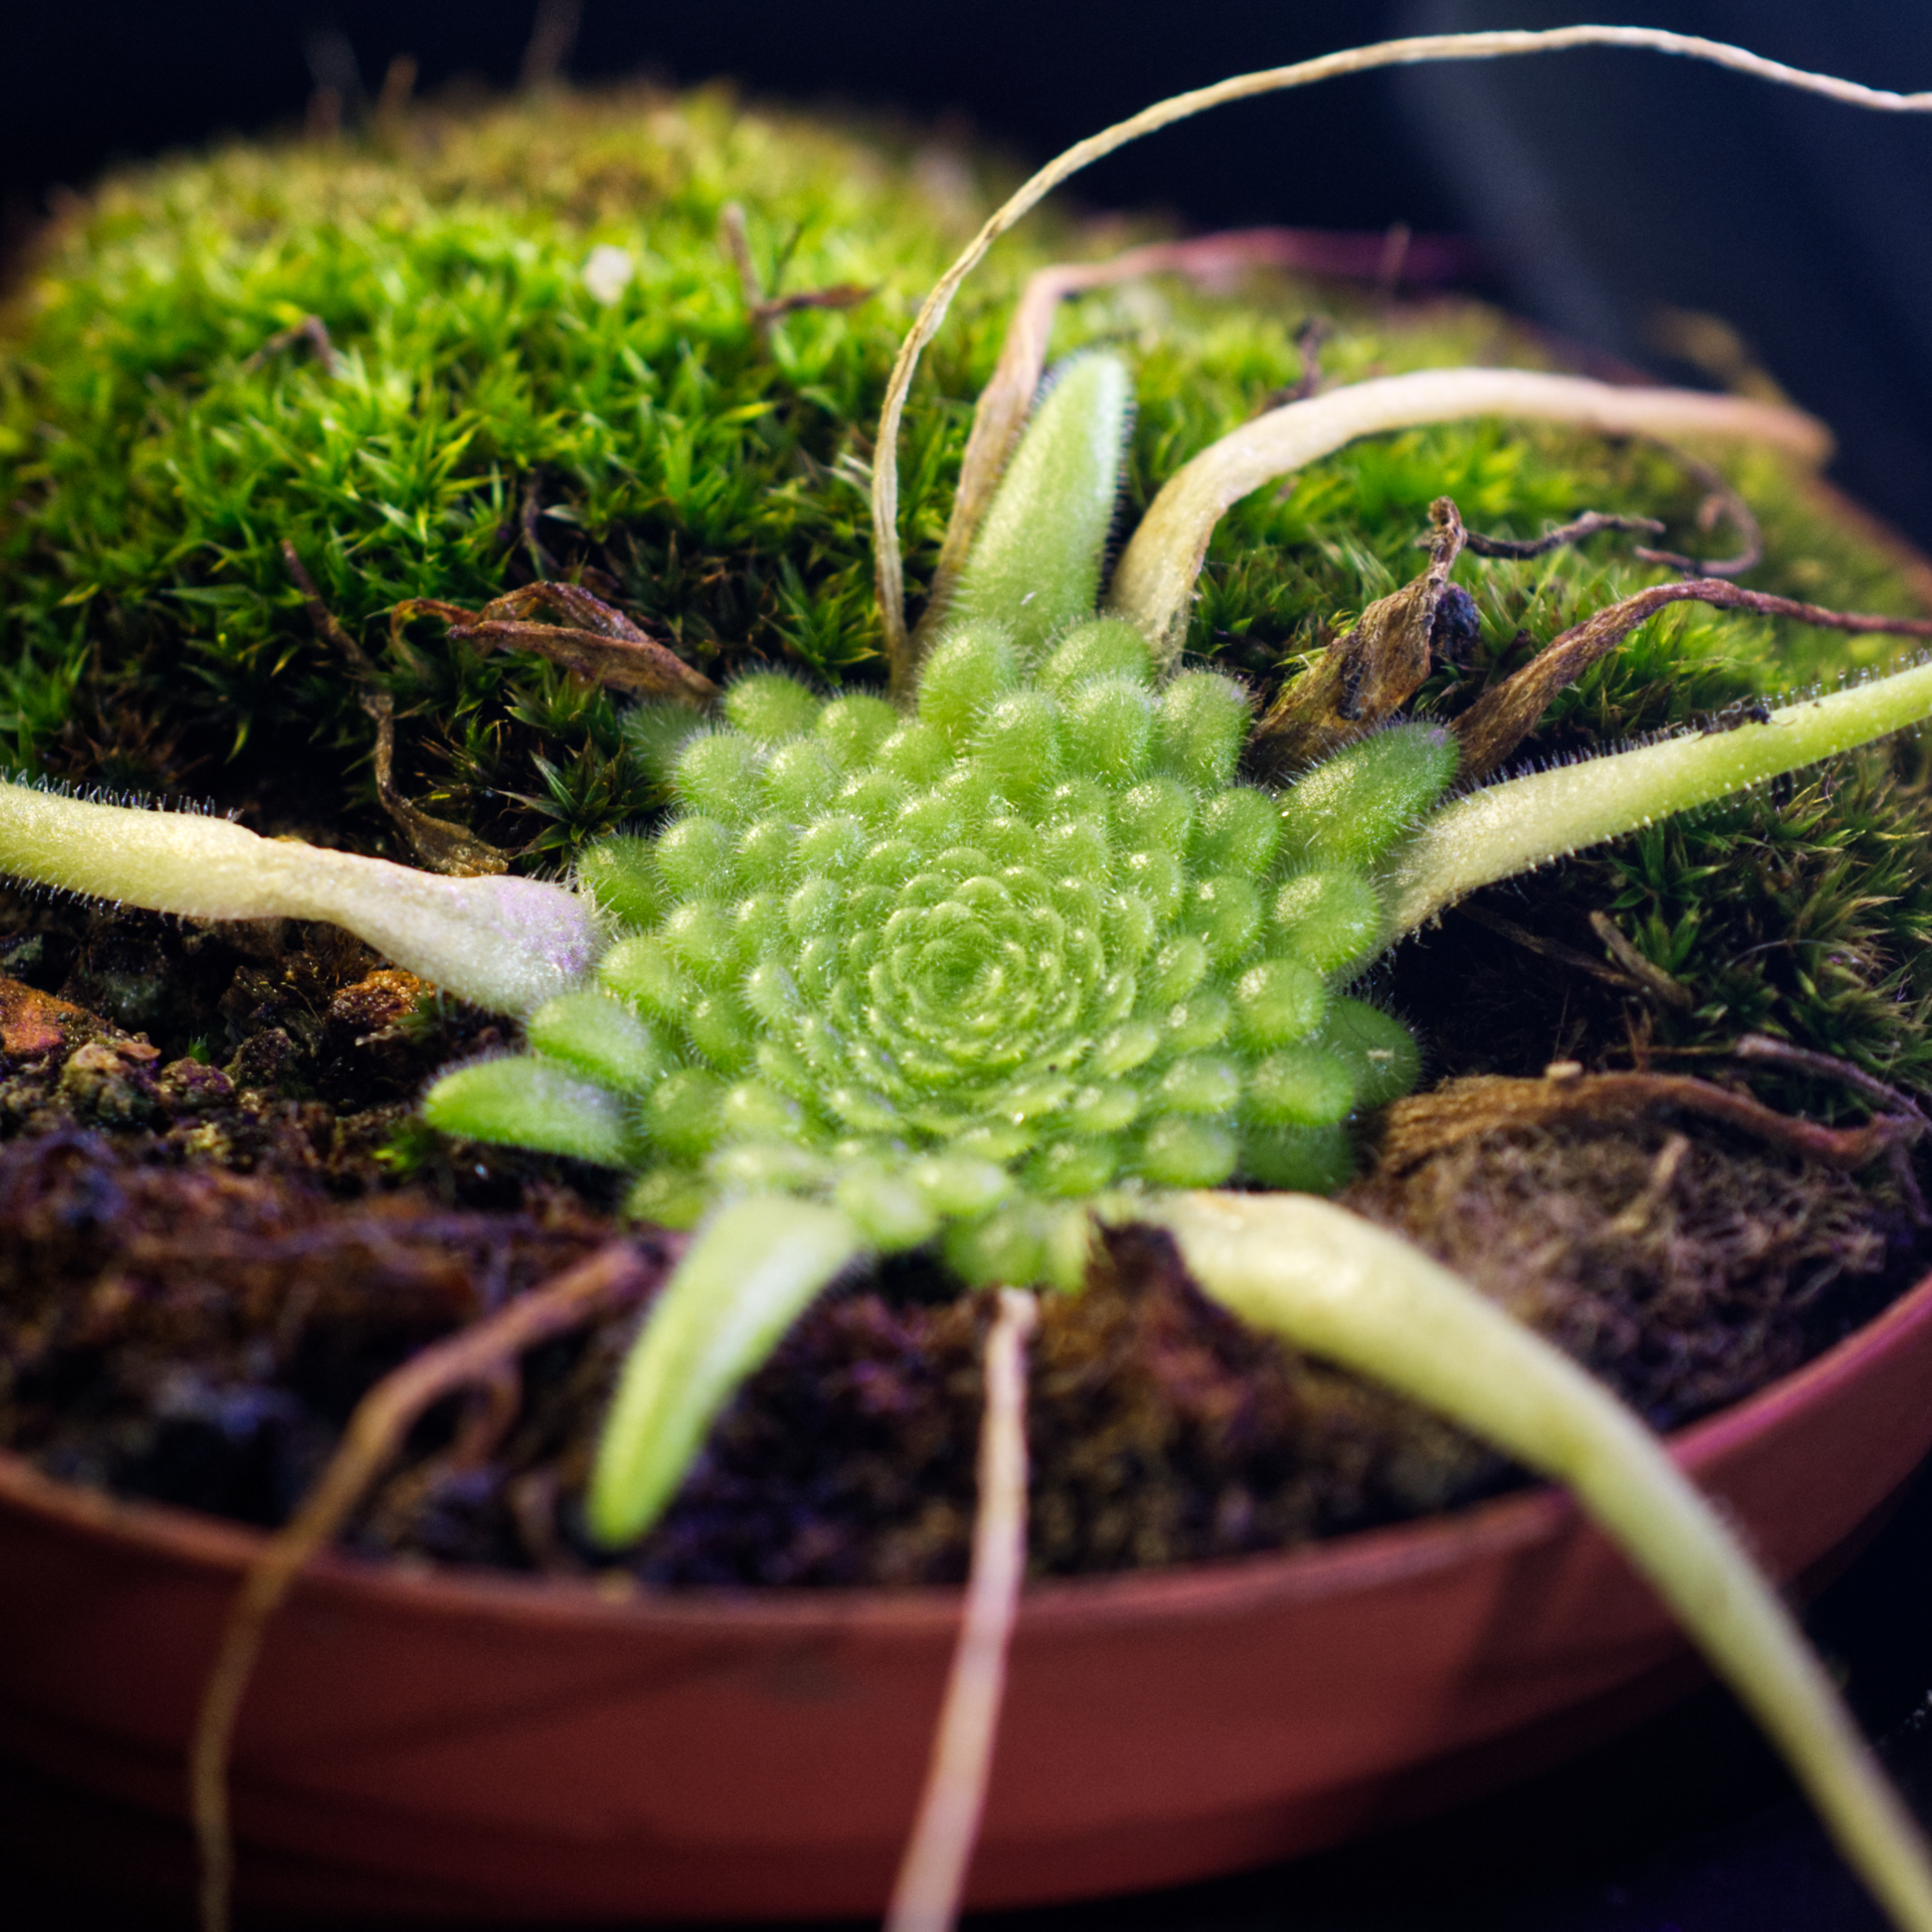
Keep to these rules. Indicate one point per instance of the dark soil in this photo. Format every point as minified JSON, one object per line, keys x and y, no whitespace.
{"x":217,"y":1231}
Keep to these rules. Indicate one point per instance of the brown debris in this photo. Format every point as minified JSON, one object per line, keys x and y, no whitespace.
{"x":1315,"y":331}
{"x":1649,"y":976}
{"x":1370,"y":674}
{"x":1777,"y":1053}
{"x":763,"y":309}
{"x":530,"y":513}
{"x":33,"y":1023}
{"x":595,"y":640}
{"x":441,"y":846}
{"x":1578,"y":962}
{"x":392,"y":99}
{"x":1505,"y":714}
{"x":311,"y":329}
{"x":553,"y":38}
{"x":1892,"y":1102}
{"x":1424,"y":1124}
{"x":1721,"y":503}
{"x":1578,"y":530}
{"x":1683,"y":1268}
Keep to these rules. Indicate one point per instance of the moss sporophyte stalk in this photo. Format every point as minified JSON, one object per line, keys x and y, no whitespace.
{"x":1054,"y":932}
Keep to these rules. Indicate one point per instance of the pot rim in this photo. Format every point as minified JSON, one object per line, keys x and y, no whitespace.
{"x":1358,"y":1561}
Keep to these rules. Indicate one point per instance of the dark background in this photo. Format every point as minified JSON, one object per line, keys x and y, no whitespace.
{"x":1605,"y":187}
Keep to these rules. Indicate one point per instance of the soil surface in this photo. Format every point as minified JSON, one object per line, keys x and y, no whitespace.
{"x":219,"y":1227}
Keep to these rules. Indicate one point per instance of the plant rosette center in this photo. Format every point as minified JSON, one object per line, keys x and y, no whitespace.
{"x":958,"y":973}
{"x":966,"y":972}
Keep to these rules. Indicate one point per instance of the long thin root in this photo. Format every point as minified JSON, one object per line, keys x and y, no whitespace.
{"x":932,"y":1874}
{"x":615,"y":1274}
{"x":1416,"y":50}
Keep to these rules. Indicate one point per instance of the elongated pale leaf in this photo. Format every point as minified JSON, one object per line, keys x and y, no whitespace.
{"x":1525,"y":822}
{"x":1154,"y":583}
{"x":1331,"y":1282}
{"x":506,"y":943}
{"x":746,"y":1279}
{"x":1036,"y":566}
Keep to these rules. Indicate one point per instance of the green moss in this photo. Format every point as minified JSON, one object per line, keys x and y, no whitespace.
{"x":709,"y":475}
{"x":153,"y":459}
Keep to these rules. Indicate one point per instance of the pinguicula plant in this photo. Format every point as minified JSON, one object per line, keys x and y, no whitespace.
{"x":1043,"y":938}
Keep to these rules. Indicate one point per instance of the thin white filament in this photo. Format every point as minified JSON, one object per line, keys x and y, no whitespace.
{"x":1155,"y":577}
{"x":932,"y":1876}
{"x":1414,"y":51}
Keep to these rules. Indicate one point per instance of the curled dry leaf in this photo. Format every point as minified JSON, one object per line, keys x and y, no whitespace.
{"x":1368,"y":675}
{"x":595,"y":640}
{"x":1501,"y":718}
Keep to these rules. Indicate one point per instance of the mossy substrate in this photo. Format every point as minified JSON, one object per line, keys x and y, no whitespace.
{"x":484,"y":415}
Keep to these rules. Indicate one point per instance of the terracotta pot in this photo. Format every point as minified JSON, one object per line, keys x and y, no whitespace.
{"x":422,"y":1739}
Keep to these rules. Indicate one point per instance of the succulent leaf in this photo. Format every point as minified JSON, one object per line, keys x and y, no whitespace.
{"x":1326,"y":1280}
{"x":1037,"y":560}
{"x":507,"y":944}
{"x":529,"y":1102}
{"x":884,"y":981}
{"x":1354,"y":807}
{"x":956,"y":977}
{"x":1512,"y":828}
{"x":953,"y":977}
{"x":1077,"y":969}
{"x":750,"y":1273}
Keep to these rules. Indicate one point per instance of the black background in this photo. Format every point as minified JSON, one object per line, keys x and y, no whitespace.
{"x":1602,"y":186}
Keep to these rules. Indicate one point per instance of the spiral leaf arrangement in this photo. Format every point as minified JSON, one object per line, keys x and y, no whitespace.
{"x":1031,"y":954}
{"x":1034,"y":954}
{"x":951,"y":976}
